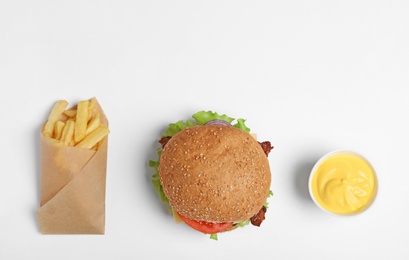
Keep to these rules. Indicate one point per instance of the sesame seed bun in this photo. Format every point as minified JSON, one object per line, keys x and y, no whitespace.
{"x":215,"y":173}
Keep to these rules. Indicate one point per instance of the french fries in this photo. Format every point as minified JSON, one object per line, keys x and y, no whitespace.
{"x":55,"y":115}
{"x":78,"y":126}
{"x":94,"y":137}
{"x":81,"y":120}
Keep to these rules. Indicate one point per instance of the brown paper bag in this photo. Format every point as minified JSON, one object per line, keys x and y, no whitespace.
{"x":72,"y":187}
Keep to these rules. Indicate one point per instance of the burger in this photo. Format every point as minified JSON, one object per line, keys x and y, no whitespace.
{"x":212,"y":173}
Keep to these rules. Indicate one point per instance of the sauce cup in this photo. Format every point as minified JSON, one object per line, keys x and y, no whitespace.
{"x":343,"y":182}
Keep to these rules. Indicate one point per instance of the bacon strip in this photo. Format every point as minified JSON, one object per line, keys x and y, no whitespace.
{"x":257,"y":219}
{"x":266,"y":145}
{"x":164,"y":140}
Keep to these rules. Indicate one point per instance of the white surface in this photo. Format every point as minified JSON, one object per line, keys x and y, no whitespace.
{"x":310,"y":76}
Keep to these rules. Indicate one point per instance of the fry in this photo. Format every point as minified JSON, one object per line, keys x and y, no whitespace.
{"x":94,"y":137}
{"x":68,"y":132}
{"x":54,"y":116}
{"x":91,"y":107}
{"x":93,"y":124}
{"x":70,"y":112}
{"x":81,"y":120}
{"x":59,"y":126}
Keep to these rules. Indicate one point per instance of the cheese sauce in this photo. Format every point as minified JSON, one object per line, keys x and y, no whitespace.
{"x":343,"y":183}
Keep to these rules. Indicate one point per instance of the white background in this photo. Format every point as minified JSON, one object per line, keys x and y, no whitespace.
{"x":310,"y":76}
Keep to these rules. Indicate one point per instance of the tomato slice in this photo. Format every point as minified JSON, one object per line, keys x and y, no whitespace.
{"x":206,"y":227}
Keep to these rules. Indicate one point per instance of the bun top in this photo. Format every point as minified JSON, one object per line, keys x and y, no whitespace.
{"x":215,"y":173}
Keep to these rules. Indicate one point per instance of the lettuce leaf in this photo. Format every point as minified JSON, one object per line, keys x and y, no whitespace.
{"x":213,"y":236}
{"x":156,"y":180}
{"x":241,"y":125}
{"x":177,"y":127}
{"x":244,"y":223}
{"x":203,"y":117}
{"x":270,"y":194}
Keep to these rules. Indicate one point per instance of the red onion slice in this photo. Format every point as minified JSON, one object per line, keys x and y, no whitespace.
{"x":218,"y":122}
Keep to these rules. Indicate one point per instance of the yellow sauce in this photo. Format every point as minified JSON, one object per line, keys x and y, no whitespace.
{"x":344,"y":184}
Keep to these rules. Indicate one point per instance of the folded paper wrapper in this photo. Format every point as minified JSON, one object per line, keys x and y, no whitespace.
{"x":72,"y":187}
